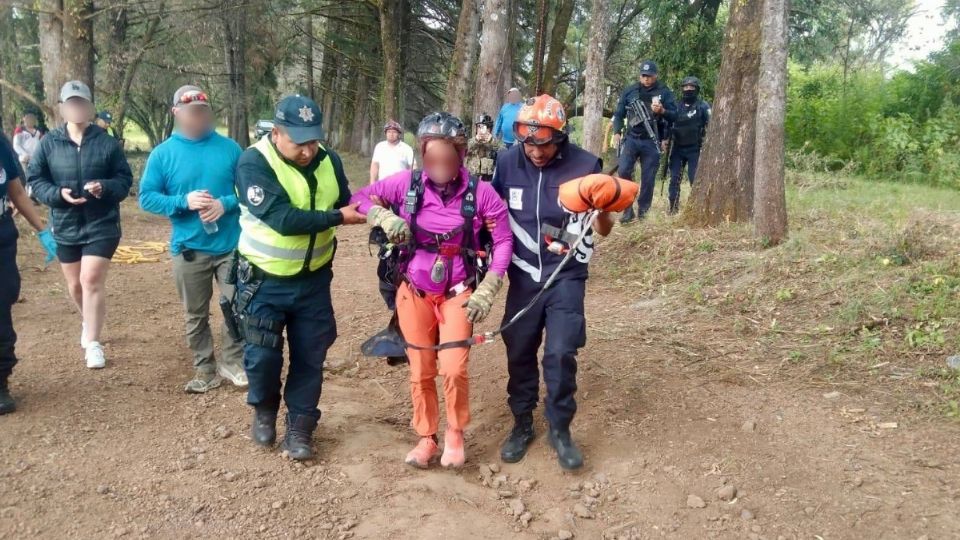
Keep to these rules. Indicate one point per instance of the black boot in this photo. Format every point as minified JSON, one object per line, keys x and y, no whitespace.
{"x":674,"y":206}
{"x":299,"y":436}
{"x":515,"y":447}
{"x":568,"y":454}
{"x":264,"y":428}
{"x":7,"y":404}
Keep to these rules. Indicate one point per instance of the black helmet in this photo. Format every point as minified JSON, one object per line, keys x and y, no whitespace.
{"x":484,"y":119}
{"x":690,"y":80}
{"x":442,"y":125}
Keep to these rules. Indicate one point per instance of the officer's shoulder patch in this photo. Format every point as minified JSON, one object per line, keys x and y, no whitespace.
{"x":255,"y":195}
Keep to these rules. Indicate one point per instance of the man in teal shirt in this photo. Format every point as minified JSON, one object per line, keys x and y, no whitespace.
{"x":189,"y":179}
{"x":503,"y":127}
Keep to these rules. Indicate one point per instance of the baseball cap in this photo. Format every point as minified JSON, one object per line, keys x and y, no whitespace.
{"x":514,"y":89}
{"x":648,"y":67}
{"x":300,"y":117}
{"x":105,"y":116}
{"x":189,"y":95}
{"x":72,"y":89}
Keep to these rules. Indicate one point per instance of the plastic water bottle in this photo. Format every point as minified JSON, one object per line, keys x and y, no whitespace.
{"x":210,"y":227}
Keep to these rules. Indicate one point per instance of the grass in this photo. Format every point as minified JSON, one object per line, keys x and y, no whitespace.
{"x":870,"y":276}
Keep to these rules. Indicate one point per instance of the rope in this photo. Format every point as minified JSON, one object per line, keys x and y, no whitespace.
{"x":143,"y":252}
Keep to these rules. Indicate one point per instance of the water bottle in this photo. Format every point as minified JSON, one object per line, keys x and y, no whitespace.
{"x":210,"y":227}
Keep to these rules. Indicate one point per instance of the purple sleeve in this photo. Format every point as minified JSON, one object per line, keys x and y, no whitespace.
{"x":392,"y":189}
{"x":491,"y":206}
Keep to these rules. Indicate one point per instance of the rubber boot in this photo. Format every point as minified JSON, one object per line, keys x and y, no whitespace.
{"x":568,"y":455}
{"x":515,"y":447}
{"x":7,"y":404}
{"x":263,"y":430}
{"x":299,"y":436}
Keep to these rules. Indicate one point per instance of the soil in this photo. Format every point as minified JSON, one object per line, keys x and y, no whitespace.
{"x":683,"y":438}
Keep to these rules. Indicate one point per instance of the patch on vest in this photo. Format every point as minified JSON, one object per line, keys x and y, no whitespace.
{"x":255,"y":195}
{"x":516,"y":199}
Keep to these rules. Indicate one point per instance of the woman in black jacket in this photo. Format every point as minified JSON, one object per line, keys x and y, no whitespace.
{"x":80,"y":172}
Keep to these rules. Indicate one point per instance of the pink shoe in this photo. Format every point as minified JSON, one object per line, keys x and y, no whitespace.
{"x":453,"y":455}
{"x":422,"y":454}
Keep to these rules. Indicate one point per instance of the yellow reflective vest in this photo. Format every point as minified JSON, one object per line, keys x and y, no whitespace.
{"x":281,"y":255}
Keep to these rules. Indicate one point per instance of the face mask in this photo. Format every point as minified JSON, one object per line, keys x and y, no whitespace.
{"x":690,"y":96}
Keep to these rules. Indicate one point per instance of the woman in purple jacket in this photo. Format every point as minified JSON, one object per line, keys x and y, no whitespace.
{"x":441,"y":213}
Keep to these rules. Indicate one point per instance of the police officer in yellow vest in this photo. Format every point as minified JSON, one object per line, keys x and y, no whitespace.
{"x":293,"y":194}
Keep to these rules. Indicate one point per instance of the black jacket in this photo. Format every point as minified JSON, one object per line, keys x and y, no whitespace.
{"x":637,"y":91}
{"x":60,"y":163}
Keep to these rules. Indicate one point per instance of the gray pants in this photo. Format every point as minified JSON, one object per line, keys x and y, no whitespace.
{"x":195,"y":287}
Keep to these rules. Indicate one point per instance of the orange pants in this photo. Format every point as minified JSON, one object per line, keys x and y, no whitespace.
{"x":422,"y":321}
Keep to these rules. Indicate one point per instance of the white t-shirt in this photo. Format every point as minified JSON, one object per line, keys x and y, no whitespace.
{"x":392,"y":158}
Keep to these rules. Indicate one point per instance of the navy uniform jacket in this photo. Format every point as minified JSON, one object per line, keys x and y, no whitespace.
{"x":532,"y":196}
{"x":637,"y":91}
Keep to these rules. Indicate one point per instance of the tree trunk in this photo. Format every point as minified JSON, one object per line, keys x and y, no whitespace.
{"x":391,"y":28}
{"x":234,"y":20}
{"x":51,"y":42}
{"x":464,"y":54}
{"x":539,"y":47}
{"x":308,"y":57}
{"x":594,"y":92}
{"x":558,"y":40}
{"x":723,"y":191}
{"x":76,"y":56}
{"x":769,"y":200}
{"x":494,"y":67}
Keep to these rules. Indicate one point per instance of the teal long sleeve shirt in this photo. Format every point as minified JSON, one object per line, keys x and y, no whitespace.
{"x":179,"y":166}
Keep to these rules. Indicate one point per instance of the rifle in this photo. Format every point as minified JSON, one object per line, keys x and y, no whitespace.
{"x":641,"y":111}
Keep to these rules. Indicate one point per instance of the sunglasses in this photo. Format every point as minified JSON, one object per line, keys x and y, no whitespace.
{"x":191,"y":97}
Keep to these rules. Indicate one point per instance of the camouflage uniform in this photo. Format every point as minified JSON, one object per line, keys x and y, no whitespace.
{"x":482,"y":156}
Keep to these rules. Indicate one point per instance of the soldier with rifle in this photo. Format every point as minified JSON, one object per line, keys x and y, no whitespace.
{"x":643,"y":114}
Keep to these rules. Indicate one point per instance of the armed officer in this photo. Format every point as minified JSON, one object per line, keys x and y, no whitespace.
{"x":293,"y":194}
{"x":687,"y":132}
{"x":649,"y":108}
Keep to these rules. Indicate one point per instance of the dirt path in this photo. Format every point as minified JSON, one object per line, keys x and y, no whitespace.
{"x":123,"y":452}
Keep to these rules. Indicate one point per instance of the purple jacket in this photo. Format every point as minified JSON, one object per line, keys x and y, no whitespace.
{"x":437,"y":217}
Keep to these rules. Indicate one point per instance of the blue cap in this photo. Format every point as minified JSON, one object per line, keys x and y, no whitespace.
{"x":648,"y":67}
{"x":300,"y":117}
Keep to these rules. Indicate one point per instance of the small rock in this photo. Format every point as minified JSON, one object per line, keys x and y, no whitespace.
{"x":727,"y":493}
{"x":588,"y":485}
{"x":277,"y":505}
{"x":887,"y":425}
{"x":103,"y":489}
{"x":525,"y":518}
{"x":494,"y":467}
{"x":832,"y":395}
{"x":589,"y":501}
{"x":485,"y":470}
{"x":749,"y":426}
{"x":526,"y":484}
{"x":954,"y":361}
{"x":695,"y":502}
{"x":517,"y":507}
{"x":564,"y":534}
{"x":600,"y":478}
{"x":198,"y":450}
{"x":809,"y":510}
{"x":857,"y":482}
{"x":574,"y":486}
{"x":612,"y":497}
{"x":746,"y":514}
{"x":223,"y":432}
{"x":327,"y":526}
{"x":582,"y":511}
{"x":594,"y":492}
{"x":505,"y":494}
{"x":347,"y":525}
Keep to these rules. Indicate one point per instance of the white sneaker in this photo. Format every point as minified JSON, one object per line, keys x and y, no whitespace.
{"x":84,"y":342}
{"x":94,"y":355}
{"x":234,"y":374}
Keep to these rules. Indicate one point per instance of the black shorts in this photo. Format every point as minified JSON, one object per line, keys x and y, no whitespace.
{"x":100,"y":248}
